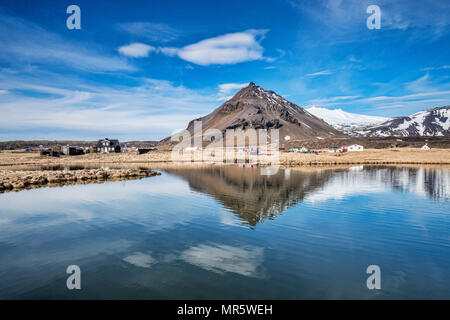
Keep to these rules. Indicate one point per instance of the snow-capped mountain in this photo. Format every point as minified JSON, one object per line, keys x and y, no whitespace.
{"x":432,"y":122}
{"x":349,"y":123}
{"x":256,"y":108}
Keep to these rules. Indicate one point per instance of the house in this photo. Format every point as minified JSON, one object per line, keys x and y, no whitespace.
{"x":425,"y":147}
{"x":72,"y":151}
{"x":108,"y":146}
{"x":145,"y":150}
{"x":333,"y":149}
{"x":355,"y":147}
{"x":304,"y":150}
{"x":253,"y":151}
{"x":192,"y":149}
{"x":297,"y":149}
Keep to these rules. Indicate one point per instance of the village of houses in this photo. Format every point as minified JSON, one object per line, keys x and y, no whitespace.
{"x":103,"y":146}
{"x":114,"y":146}
{"x":291,"y":153}
{"x":107,"y":145}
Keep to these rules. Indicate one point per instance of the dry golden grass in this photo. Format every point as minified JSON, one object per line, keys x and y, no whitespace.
{"x":370,"y":156}
{"x":404,"y":156}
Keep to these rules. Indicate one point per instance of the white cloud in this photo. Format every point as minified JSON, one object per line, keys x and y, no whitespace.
{"x":320,"y":73}
{"x":168,"y":51}
{"x":226,"y":88}
{"x":140,"y":259}
{"x":220,"y":258}
{"x":345,"y":185}
{"x":230,"y":48}
{"x":136,"y":50}
{"x":151,"y":109}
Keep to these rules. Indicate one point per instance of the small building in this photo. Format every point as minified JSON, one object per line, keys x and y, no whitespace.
{"x":304,"y":150}
{"x":253,"y":151}
{"x":72,"y":151}
{"x":145,"y":150}
{"x":425,"y":147}
{"x":192,"y":149}
{"x":108,"y":146}
{"x":355,"y":147}
{"x":343,"y":148}
{"x":297,"y":149}
{"x":333,"y":149}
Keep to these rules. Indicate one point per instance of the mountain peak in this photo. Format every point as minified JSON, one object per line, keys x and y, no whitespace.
{"x":253,"y":91}
{"x":256,"y":108}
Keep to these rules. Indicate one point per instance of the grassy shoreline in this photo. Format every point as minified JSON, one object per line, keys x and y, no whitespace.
{"x":407,"y":156}
{"x":19,"y":171}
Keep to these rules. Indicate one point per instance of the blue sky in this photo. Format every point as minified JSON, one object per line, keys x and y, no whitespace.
{"x":143,"y":69}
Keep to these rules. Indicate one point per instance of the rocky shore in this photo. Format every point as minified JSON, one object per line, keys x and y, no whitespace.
{"x":15,"y":180}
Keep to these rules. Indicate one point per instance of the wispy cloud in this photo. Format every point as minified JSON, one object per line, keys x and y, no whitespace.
{"x":445,"y":67}
{"x":226,"y":89}
{"x":148,"y":31}
{"x":344,"y":21}
{"x":332,"y":99}
{"x":400,"y":14}
{"x":149,"y":110}
{"x":397,"y":105}
{"x":406,"y":97}
{"x":320,"y":73}
{"x":420,"y":85}
{"x":24,"y":41}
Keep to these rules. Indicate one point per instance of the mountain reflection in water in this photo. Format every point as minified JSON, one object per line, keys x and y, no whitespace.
{"x":255,"y":197}
{"x":198,"y":234}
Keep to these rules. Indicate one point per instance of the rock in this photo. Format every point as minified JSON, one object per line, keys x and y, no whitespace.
{"x":10,"y":180}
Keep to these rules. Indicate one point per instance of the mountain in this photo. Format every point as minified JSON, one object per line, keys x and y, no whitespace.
{"x":349,"y":123}
{"x":432,"y":122}
{"x":257,"y":108}
{"x":250,"y":195}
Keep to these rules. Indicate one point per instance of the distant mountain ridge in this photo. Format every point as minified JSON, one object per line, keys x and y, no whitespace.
{"x":349,"y":123}
{"x":431,"y":122}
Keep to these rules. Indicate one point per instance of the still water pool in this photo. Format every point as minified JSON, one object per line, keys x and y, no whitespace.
{"x":231,"y":233}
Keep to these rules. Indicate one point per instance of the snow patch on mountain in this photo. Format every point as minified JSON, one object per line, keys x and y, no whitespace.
{"x":350,"y":123}
{"x":432,"y":122}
